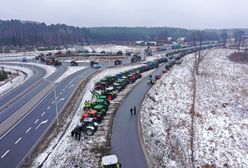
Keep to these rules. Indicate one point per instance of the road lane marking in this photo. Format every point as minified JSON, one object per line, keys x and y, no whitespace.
{"x":43,"y":122}
{"x":61,"y":99}
{"x":60,"y":93}
{"x":48,"y":107}
{"x":36,"y":121}
{"x":5,"y":154}
{"x":43,"y":113}
{"x":53,"y":102}
{"x":18,"y":140}
{"x":63,"y":89}
{"x":28,"y":129}
{"x":57,"y":97}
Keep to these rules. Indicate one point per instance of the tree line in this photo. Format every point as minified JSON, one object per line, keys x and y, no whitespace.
{"x":21,"y":33}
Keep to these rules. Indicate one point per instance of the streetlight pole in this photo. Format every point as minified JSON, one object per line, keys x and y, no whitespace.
{"x":55,"y":99}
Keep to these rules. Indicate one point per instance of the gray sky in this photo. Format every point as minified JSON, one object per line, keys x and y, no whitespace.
{"x":151,"y":13}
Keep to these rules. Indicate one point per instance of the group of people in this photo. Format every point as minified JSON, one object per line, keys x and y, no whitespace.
{"x":77,"y":132}
{"x":133,"y":111}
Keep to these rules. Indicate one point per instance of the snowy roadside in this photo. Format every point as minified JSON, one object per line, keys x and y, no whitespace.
{"x":84,"y":153}
{"x":69,"y":71}
{"x":24,"y":74}
{"x":49,"y":69}
{"x":165,"y":120}
{"x":221,"y":118}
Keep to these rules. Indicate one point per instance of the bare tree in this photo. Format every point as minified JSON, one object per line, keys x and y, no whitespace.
{"x":239,"y":38}
{"x":198,"y":37}
{"x":224,"y":37}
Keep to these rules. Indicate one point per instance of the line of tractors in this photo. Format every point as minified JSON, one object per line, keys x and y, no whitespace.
{"x":107,"y":88}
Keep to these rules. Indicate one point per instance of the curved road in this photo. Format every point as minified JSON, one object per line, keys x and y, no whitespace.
{"x":22,"y":138}
{"x":125,"y":140}
{"x":15,"y":100}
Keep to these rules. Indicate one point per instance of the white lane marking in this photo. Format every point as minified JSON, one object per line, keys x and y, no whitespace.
{"x":28,"y":129}
{"x":5,"y":154}
{"x":57,"y":97}
{"x":36,"y":121}
{"x":71,"y":86}
{"x":60,"y":93}
{"x":43,"y":122}
{"x":63,"y":89}
{"x":18,"y":140}
{"x":43,"y":113}
{"x":53,"y":102}
{"x":61,"y":99}
{"x":48,"y":107}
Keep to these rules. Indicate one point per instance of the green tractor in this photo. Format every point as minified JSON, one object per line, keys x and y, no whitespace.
{"x":98,"y":95}
{"x":90,"y":105}
{"x":108,"y":79}
{"x":101,"y":109}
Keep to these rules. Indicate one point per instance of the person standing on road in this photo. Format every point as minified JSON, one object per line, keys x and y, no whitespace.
{"x":131,"y":111}
{"x":134,"y":110}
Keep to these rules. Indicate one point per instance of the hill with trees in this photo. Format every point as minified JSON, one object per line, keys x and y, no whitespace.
{"x":20,"y":33}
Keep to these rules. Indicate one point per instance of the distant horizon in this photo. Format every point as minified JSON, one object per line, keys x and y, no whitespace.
{"x":49,"y":24}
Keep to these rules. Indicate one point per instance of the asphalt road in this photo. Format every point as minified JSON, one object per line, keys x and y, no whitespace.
{"x":26,"y":93}
{"x":19,"y":141}
{"x":38,"y":74}
{"x":125,"y":139}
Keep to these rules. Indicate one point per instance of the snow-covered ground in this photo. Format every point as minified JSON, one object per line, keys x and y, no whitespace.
{"x":84,"y":153}
{"x":69,"y":71}
{"x":114,"y":48}
{"x":17,"y":80}
{"x":220,"y":116}
{"x":49,"y":69}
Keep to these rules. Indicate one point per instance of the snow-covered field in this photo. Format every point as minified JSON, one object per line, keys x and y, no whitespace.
{"x":85,"y":153}
{"x":220,"y":116}
{"x":17,"y":80}
{"x":114,"y":48}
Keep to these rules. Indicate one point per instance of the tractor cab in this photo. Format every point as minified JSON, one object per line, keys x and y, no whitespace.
{"x":118,"y":87}
{"x":110,"y":93}
{"x":110,"y":161}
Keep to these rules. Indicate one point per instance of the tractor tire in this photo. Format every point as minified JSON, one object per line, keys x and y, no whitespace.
{"x":89,"y":132}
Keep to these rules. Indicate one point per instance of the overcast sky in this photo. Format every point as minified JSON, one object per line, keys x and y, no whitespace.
{"x":94,"y":13}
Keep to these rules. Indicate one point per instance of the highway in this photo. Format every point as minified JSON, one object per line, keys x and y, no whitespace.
{"x":19,"y":141}
{"x":125,"y":140}
{"x":15,"y":100}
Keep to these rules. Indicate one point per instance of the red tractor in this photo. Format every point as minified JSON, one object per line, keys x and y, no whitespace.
{"x":132,"y":78}
{"x":101,"y":86}
{"x":92,"y":114}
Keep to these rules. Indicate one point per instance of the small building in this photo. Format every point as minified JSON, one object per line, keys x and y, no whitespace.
{"x":181,"y":40}
{"x":142,"y":43}
{"x":151,"y":43}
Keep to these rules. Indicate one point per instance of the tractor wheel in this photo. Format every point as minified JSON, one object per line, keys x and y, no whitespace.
{"x":89,"y":131}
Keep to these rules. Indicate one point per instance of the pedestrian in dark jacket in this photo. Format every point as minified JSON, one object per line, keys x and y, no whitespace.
{"x":79,"y":134}
{"x":134,"y":110}
{"x":131,"y":111}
